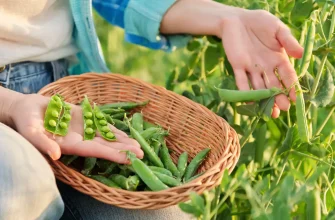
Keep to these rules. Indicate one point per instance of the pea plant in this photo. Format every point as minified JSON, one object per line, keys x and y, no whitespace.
{"x":286,"y":168}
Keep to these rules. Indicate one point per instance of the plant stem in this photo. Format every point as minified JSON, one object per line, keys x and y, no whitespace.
{"x":311,"y":157}
{"x":325,"y":121}
{"x":329,"y":185}
{"x":260,"y":144}
{"x":289,"y":118}
{"x":317,"y":79}
{"x":246,"y":137}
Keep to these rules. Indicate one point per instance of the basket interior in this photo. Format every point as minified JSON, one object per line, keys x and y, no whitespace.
{"x":191,"y":126}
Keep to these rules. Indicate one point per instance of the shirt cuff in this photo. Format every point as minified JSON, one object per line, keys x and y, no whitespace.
{"x":142,"y":22}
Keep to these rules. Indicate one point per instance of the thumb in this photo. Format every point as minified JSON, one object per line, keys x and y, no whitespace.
{"x":288,"y":41}
{"x":45,"y":144}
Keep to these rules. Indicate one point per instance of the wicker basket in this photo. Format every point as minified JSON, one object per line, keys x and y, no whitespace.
{"x":192,"y":128}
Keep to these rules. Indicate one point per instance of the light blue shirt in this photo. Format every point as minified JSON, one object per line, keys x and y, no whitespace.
{"x":140,"y":20}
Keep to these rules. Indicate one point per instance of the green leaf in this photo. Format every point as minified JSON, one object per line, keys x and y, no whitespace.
{"x":189,"y":209}
{"x":228,"y":82}
{"x":197,"y":201}
{"x":248,"y":109}
{"x":311,"y":181}
{"x":291,"y":140}
{"x":238,"y":129}
{"x":226,"y":179}
{"x":193,"y":45}
{"x":212,"y":56}
{"x":266,"y":106}
{"x":286,"y":6}
{"x":302,"y":10}
{"x":170,"y":81}
{"x":213,"y":40}
{"x":197,"y":90}
{"x":189,"y":95}
{"x":183,"y":74}
{"x":326,"y":91}
{"x":317,"y":150}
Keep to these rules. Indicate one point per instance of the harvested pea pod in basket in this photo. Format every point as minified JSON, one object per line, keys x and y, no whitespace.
{"x":167,"y":120}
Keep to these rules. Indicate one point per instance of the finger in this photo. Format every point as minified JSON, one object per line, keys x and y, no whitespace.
{"x":89,"y":148}
{"x":257,"y":81}
{"x":288,"y":41}
{"x":121,"y":146}
{"x":288,"y":77}
{"x":275,"y":111}
{"x":241,"y":79}
{"x":271,"y":81}
{"x":44,"y":144}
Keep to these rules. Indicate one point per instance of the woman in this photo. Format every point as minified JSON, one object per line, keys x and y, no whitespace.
{"x":44,"y":40}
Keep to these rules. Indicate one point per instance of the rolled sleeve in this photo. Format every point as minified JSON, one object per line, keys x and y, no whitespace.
{"x":141,"y":20}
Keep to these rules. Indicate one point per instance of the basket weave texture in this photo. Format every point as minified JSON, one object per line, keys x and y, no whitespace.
{"x":192,"y":127}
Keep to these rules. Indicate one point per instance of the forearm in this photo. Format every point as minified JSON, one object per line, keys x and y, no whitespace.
{"x":200,"y":17}
{"x":7,"y":98}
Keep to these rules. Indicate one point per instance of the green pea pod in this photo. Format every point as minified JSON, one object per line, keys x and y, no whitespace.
{"x":88,"y":118}
{"x":133,"y":182}
{"x":313,"y":206}
{"x":62,"y":127}
{"x":53,"y":113}
{"x":103,"y":164}
{"x":119,"y":116}
{"x":68,"y":159}
{"x":121,"y":125}
{"x":168,"y":180}
{"x":100,"y":122}
{"x":125,"y":172}
{"x":146,"y":175}
{"x":227,"y":95}
{"x":152,"y":133}
{"x":147,"y":125}
{"x":124,"y":105}
{"x":182,"y":163}
{"x":167,"y":161}
{"x":301,"y":116}
{"x":194,"y":177}
{"x":120,"y":180}
{"x":195,"y":163}
{"x":105,"y":181}
{"x":126,"y":167}
{"x":137,"y":121}
{"x":149,"y":152}
{"x":109,"y":169}
{"x":156,"y":145}
{"x":308,"y":49}
{"x":89,"y":164}
{"x":160,"y":170}
{"x":110,"y":111}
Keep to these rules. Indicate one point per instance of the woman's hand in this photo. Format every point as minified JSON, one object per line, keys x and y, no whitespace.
{"x":257,"y":43}
{"x":27,"y":115}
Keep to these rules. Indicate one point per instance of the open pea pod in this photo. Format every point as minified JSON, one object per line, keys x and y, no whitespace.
{"x":53,"y":113}
{"x":100,"y":122}
{"x":89,"y":125}
{"x":64,"y":122}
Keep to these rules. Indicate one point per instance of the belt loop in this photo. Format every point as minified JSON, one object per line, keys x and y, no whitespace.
{"x":5,"y":75}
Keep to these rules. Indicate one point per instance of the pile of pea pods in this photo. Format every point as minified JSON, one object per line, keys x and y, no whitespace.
{"x":155,"y":172}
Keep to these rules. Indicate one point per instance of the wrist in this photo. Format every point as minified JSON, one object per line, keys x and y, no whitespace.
{"x":8,"y":98}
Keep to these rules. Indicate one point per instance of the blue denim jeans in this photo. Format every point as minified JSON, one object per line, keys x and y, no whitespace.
{"x":28,"y":189}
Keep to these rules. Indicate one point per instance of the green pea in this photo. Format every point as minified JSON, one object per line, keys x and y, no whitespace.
{"x":99,"y":115}
{"x":105,"y":129}
{"x":67,"y":106}
{"x":63,"y":125}
{"x":110,"y":135}
{"x":56,"y":98}
{"x":88,"y":114}
{"x":52,"y":123}
{"x":103,"y":122}
{"x":55,"y":113}
{"x":59,"y":104}
{"x":89,"y":131}
{"x":67,"y":117}
{"x":89,"y":122}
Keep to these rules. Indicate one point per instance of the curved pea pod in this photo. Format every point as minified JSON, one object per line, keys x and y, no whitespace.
{"x":124,"y":105}
{"x":89,"y":164}
{"x":194,"y":177}
{"x":156,"y":145}
{"x":149,"y":152}
{"x":301,"y":116}
{"x":313,"y":205}
{"x":146,"y":175}
{"x":160,"y":170}
{"x":68,"y":159}
{"x":112,"y":110}
{"x":195,"y":163}
{"x":89,"y":125}
{"x":227,"y":95}
{"x":167,"y":161}
{"x":153,"y":133}
{"x":100,"y":122}
{"x":129,"y":183}
{"x":147,"y":125}
{"x":133,"y":182}
{"x":182,"y":163}
{"x":117,"y":123}
{"x":137,"y":121}
{"x":119,"y":116}
{"x":64,"y":122}
{"x":53,"y":113}
{"x":168,"y":180}
{"x":308,"y":49}
{"x":105,"y":181}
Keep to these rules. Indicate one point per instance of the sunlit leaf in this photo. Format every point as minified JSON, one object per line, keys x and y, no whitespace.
{"x":326,"y":91}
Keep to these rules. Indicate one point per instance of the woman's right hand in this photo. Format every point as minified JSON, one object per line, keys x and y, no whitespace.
{"x":27,"y":114}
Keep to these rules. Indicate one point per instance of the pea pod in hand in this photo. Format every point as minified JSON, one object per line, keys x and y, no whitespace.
{"x":53,"y":113}
{"x":102,"y":125}
{"x":227,"y":95}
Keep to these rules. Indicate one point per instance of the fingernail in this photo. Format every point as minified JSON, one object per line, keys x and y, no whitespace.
{"x":51,"y":155}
